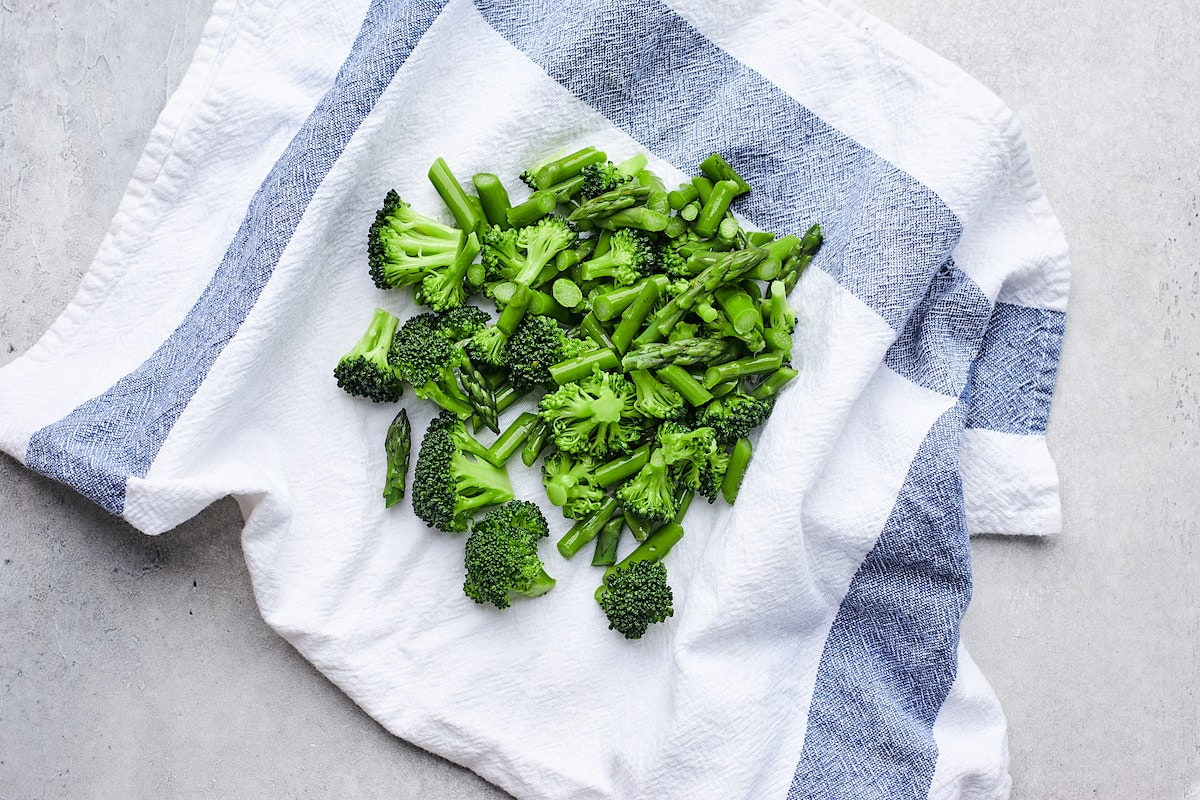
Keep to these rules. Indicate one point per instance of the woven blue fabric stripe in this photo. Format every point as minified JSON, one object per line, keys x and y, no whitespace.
{"x":1008,"y":394}
{"x":118,"y":434}
{"x":891,"y":655}
{"x":655,"y":76}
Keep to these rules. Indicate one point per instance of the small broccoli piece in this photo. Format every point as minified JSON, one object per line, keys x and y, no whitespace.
{"x":537,"y":343}
{"x":651,"y":492}
{"x":688,"y":452}
{"x":486,"y":347}
{"x":443,"y":289}
{"x":656,"y":399}
{"x":460,"y":324}
{"x":631,"y":255}
{"x":365,"y":371}
{"x":733,"y":416}
{"x":635,"y":596}
{"x":403,"y":246}
{"x":672,"y":263}
{"x":502,"y":555}
{"x":601,"y":178}
{"x":452,"y":480}
{"x":425,"y":355}
{"x":594,"y":416}
{"x":683,"y":330}
{"x":713,"y":474}
{"x":520,"y":254}
{"x":568,"y":482}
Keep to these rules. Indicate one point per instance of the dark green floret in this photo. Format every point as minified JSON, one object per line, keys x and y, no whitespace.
{"x":365,"y":370}
{"x":452,"y":480}
{"x":601,"y":178}
{"x":733,"y":416}
{"x":537,"y":344}
{"x":635,"y":596}
{"x":425,"y":355}
{"x":403,"y":246}
{"x":502,"y":555}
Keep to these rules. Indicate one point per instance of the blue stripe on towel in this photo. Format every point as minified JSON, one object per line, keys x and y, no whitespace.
{"x":119,"y":433}
{"x":655,"y":76}
{"x":891,"y":655}
{"x":1008,"y":394}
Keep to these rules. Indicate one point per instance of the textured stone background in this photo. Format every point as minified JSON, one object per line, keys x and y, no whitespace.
{"x":139,"y":667}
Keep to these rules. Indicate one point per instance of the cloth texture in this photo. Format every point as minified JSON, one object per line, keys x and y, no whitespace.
{"x":814,"y":651}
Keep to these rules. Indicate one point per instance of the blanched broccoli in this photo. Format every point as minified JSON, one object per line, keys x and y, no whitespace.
{"x":601,"y":178}
{"x":452,"y":480}
{"x":520,"y":254}
{"x":502,"y":555}
{"x":656,"y":399}
{"x":569,"y":484}
{"x":426,"y":355}
{"x":651,"y":492}
{"x":733,"y":416}
{"x":365,"y":371}
{"x":538,"y":343}
{"x":403,"y":246}
{"x":443,"y":289}
{"x":635,"y":596}
{"x":631,"y":256}
{"x":594,"y":416}
{"x":691,"y":454}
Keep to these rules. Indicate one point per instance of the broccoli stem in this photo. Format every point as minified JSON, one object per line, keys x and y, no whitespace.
{"x":640,"y":528}
{"x":657,"y":201}
{"x":682,"y":381}
{"x":622,"y":467}
{"x":634,"y":316}
{"x":595,"y":331}
{"x":454,"y":196}
{"x":539,"y":437}
{"x":774,"y":383}
{"x":777,"y":341}
{"x":716,"y":168}
{"x":587,"y":529}
{"x":676,"y":227}
{"x":506,"y":397}
{"x":565,"y":190}
{"x":704,"y":188}
{"x":680,"y":197}
{"x":729,"y":232}
{"x":683,"y":501}
{"x":514,"y":312}
{"x":722,"y":389}
{"x":739,"y":460}
{"x":513,"y":437}
{"x":545,"y":305}
{"x":566,"y":167}
{"x":578,"y":368}
{"x":642,"y":218}
{"x":398,"y":447}
{"x":690,"y":211}
{"x":732,"y":370}
{"x":567,"y":292}
{"x":714,"y":208}
{"x":607,"y":543}
{"x":494,"y":198}
{"x":607,"y":305}
{"x":539,"y":204}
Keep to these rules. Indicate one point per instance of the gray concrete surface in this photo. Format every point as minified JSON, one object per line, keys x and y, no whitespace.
{"x":137,"y":667}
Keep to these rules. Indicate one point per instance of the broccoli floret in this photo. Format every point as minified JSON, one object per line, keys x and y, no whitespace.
{"x":486,"y":347}
{"x":656,"y":399}
{"x":502,"y":555}
{"x":631,"y":255}
{"x":537,"y":344}
{"x":692,"y":454}
{"x":520,"y":255}
{"x":651,"y":492}
{"x":452,"y":480}
{"x":402,"y":245}
{"x":426,"y":355}
{"x":672,"y":263}
{"x":594,"y":416}
{"x":365,"y":371}
{"x":714,"y":473}
{"x":443,"y":289}
{"x":635,"y":596}
{"x":460,"y":324}
{"x":601,"y":178}
{"x":733,"y":416}
{"x":568,"y":481}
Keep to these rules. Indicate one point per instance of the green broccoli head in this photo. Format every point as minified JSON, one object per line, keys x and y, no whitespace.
{"x":452,"y":480}
{"x":502,"y":555}
{"x":460,"y":324}
{"x":601,"y":178}
{"x":568,"y":482}
{"x":689,"y":453}
{"x":537,"y":344}
{"x":425,"y":354}
{"x":520,"y":254}
{"x":445,"y":288}
{"x":501,"y":255}
{"x":635,"y":596}
{"x":656,"y":399}
{"x":595,"y":416}
{"x":402,"y":245}
{"x":650,"y":493}
{"x":733,"y":416}
{"x":631,"y":255}
{"x":672,"y":262}
{"x":365,"y":370}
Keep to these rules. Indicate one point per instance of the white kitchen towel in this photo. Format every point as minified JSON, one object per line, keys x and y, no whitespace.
{"x":814,"y":651}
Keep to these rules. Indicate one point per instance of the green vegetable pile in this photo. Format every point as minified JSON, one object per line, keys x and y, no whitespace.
{"x":653,"y":332}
